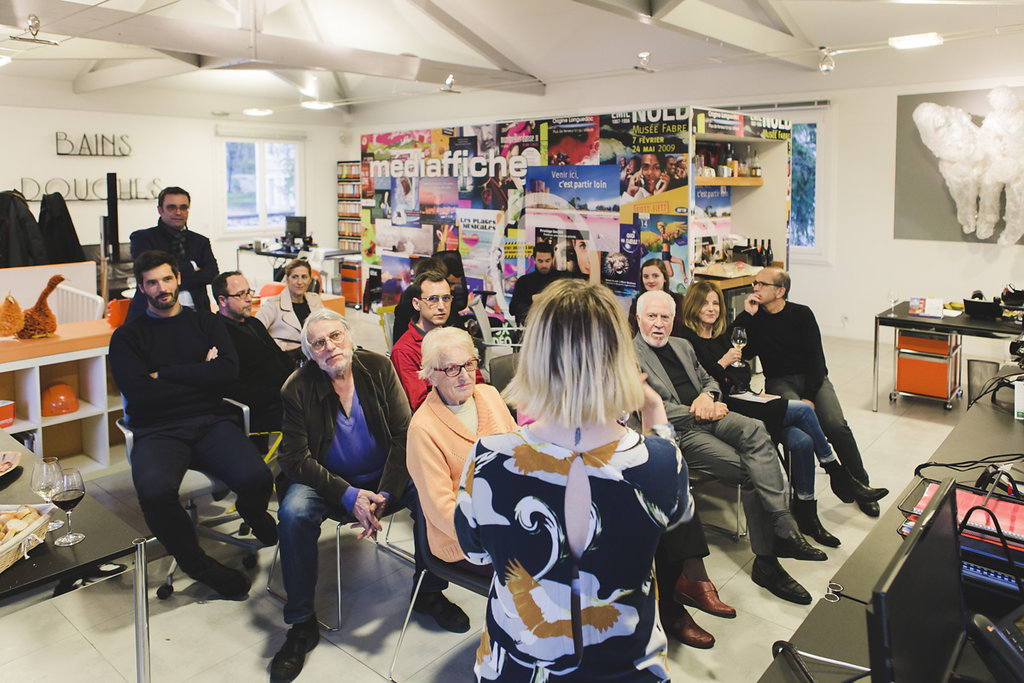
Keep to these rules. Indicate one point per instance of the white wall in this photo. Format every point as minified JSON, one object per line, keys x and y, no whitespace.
{"x":864,"y":261}
{"x":165,"y":151}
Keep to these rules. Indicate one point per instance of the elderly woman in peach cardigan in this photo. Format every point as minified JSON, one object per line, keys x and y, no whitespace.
{"x":456,"y":412}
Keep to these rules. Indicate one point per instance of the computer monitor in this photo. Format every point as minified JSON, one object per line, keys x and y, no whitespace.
{"x":916,"y":624}
{"x":294,"y":226}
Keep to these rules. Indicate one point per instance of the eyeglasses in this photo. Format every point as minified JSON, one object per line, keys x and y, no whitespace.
{"x":321,"y":344}
{"x":435,"y":300}
{"x":244,"y":293}
{"x":454,"y":370}
{"x":757,"y":283}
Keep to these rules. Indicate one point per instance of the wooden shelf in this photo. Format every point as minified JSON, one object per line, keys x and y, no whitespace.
{"x":731,"y":182}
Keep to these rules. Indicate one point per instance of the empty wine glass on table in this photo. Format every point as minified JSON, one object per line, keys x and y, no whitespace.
{"x":893,"y":300}
{"x":739,"y":340}
{"x":45,"y":477}
{"x":70,"y":492}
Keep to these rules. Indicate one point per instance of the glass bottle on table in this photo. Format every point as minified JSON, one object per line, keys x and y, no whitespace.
{"x":46,"y":476}
{"x":70,"y":492}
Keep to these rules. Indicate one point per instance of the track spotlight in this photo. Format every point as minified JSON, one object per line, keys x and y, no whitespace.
{"x":449,"y":85}
{"x":645,"y":62}
{"x":827,"y":63}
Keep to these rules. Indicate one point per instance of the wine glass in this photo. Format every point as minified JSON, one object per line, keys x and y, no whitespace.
{"x":70,"y":492}
{"x":893,"y":300}
{"x":739,"y":340}
{"x":45,"y":476}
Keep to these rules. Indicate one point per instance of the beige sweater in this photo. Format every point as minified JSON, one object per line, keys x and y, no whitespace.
{"x":438,"y":445}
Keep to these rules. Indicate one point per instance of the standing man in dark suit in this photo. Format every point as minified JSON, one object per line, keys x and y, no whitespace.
{"x":192,"y":251}
{"x":262,"y":365}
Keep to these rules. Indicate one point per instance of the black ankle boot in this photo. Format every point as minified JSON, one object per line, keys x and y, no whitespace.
{"x":847,"y":488}
{"x":805,"y":512}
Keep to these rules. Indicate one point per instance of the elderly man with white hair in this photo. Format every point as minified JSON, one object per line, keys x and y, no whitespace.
{"x":343,"y":452}
{"x":733,"y":448}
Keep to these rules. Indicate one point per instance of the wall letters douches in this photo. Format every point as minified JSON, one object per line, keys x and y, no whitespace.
{"x":90,"y":189}
{"x":95,"y":145}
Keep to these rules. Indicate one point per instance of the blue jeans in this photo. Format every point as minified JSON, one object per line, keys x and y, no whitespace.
{"x":299,"y":516}
{"x":804,"y":439}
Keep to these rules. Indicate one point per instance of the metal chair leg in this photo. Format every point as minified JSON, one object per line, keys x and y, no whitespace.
{"x":337,"y":557}
{"x":405,"y":625}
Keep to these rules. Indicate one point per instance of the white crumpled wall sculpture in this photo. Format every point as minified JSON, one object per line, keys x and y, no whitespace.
{"x":979,"y":162}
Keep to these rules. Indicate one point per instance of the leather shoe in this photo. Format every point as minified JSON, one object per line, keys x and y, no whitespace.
{"x":703,"y":595}
{"x":805,"y":512}
{"x":870,"y":509}
{"x":446,"y":613}
{"x":796,"y":546}
{"x":848,"y":488}
{"x":229,"y":583}
{"x":684,"y":629}
{"x":289,"y":660}
{"x":769,"y":574}
{"x":264,"y":528}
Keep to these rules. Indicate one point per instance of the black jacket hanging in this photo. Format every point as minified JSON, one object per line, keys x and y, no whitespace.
{"x":21,"y":242}
{"x":58,"y":230}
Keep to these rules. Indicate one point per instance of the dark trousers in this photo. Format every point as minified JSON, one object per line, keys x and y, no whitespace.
{"x":676,"y":546}
{"x":301,"y":512}
{"x":214,"y":444}
{"x":830,"y":415}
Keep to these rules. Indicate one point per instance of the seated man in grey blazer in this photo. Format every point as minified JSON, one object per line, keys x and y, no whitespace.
{"x":733,"y":448}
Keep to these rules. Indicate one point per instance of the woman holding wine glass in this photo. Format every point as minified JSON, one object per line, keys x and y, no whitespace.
{"x":69,"y":493}
{"x":792,"y":423}
{"x":46,"y":475}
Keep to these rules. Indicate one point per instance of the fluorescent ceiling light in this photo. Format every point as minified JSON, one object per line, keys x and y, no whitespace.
{"x":317,"y":104}
{"x":257,"y":111}
{"x":5,"y":60}
{"x":914,"y":41}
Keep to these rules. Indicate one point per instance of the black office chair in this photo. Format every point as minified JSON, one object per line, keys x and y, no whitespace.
{"x":452,"y":573}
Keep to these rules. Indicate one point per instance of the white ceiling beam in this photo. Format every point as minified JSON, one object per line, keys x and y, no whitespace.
{"x":697,"y":18}
{"x":783,"y":19}
{"x":468,"y":36}
{"x":659,"y":8}
{"x":129,"y":73}
{"x":160,"y":33}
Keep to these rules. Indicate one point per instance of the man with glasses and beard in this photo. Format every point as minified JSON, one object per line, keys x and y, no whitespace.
{"x":433,"y":305}
{"x":170,"y":365}
{"x":343,"y":454}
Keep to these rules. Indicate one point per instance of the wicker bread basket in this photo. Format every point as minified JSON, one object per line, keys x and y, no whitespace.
{"x":17,"y":547}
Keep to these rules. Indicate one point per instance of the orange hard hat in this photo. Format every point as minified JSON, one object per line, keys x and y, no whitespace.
{"x":59,"y":399}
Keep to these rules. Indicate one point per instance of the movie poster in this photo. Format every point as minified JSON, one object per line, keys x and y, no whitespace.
{"x":395,"y":276}
{"x":649,"y":148}
{"x":571,"y":140}
{"x":439,"y":199}
{"x":620,"y":270}
{"x":657,"y":230}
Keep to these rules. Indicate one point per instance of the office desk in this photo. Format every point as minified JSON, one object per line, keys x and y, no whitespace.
{"x":961,"y":324}
{"x":839,"y":630}
{"x":107,"y":538}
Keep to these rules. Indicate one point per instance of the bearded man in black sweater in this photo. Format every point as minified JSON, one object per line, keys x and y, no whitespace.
{"x":785,"y":336}
{"x":170,"y":364}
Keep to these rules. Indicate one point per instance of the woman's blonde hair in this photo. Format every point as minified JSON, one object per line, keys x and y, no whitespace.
{"x":696,"y":297}
{"x":578,"y":364}
{"x":437,"y":342}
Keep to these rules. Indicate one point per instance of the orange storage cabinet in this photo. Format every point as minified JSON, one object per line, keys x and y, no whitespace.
{"x":927,"y":365}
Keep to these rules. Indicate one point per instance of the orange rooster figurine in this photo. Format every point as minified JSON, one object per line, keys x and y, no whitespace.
{"x":40,"y":320}
{"x":11,"y":317}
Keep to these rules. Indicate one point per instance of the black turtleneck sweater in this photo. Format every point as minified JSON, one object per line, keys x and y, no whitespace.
{"x":788,"y":343}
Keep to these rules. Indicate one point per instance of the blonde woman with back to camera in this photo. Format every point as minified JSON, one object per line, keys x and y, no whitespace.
{"x":284,"y":315}
{"x":569,"y":510}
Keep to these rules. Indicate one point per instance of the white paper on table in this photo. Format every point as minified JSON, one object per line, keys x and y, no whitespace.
{"x":752,"y":397}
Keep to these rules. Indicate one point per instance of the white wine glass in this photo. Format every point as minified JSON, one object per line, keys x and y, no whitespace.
{"x":45,"y":477}
{"x":893,"y":300}
{"x":70,"y":492}
{"x":739,"y":340}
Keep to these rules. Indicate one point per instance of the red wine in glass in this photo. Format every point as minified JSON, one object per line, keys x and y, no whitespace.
{"x":69,"y":493}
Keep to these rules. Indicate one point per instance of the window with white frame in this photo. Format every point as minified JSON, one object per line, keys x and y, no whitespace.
{"x":263,"y":182}
{"x":809,"y":211}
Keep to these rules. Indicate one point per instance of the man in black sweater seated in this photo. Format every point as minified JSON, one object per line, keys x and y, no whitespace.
{"x":530,"y":285}
{"x":262,"y":365}
{"x":170,"y":365}
{"x":786,"y":338}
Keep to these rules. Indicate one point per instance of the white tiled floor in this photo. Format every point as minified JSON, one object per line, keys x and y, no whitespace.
{"x":87,"y":634}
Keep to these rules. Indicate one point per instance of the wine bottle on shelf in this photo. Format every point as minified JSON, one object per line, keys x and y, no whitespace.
{"x":769,"y":256}
{"x":755,"y":166}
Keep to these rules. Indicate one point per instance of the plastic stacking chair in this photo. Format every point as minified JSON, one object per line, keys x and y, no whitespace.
{"x":387,"y":323}
{"x":452,"y":573}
